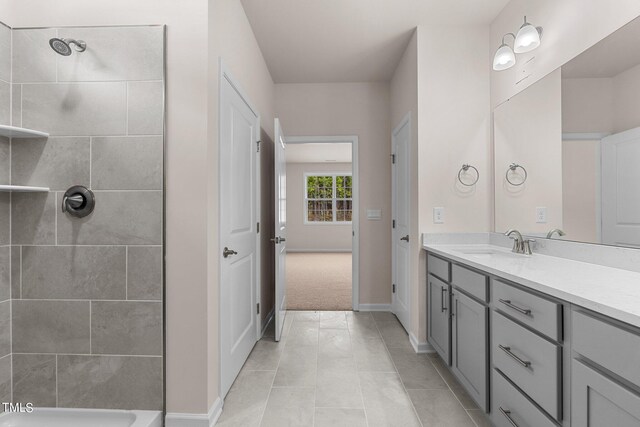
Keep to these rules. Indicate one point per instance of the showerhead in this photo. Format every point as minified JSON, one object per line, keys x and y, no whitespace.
{"x":63,"y":46}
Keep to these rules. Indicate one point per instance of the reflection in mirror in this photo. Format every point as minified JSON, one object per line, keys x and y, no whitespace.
{"x":577,"y":131}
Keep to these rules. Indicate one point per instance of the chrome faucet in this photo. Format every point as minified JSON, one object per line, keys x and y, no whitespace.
{"x":554,"y":231}
{"x":520,"y":244}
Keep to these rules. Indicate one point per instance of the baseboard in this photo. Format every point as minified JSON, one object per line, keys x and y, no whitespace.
{"x":420,"y":347}
{"x":306,"y":251}
{"x":176,"y":419}
{"x":269,"y":319}
{"x":374,"y":307}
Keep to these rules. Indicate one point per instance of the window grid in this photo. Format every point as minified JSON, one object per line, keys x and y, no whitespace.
{"x":327,"y":207}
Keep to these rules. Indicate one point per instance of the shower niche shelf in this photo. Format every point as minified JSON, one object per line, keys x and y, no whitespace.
{"x":23,"y":189}
{"x":16,"y":132}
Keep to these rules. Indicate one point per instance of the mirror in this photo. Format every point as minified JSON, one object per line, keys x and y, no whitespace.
{"x":567,"y":149}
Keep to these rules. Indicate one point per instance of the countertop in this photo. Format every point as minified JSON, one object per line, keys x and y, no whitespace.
{"x":610,"y":291}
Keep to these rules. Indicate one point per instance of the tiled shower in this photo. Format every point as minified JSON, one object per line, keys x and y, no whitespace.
{"x":81,"y":299}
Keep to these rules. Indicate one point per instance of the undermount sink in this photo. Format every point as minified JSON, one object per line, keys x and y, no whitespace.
{"x":488,"y":253}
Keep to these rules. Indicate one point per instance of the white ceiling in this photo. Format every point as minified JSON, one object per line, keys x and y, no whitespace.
{"x":327,"y":41}
{"x":609,"y":57}
{"x":319,"y":153}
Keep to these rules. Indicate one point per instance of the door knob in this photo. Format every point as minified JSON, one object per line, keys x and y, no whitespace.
{"x":405,"y":238}
{"x":278,"y":239}
{"x":226,"y":252}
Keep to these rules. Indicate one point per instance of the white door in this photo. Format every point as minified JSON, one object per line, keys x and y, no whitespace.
{"x":621,"y":188}
{"x":401,"y":231}
{"x":280,"y":171}
{"x":239,"y":135}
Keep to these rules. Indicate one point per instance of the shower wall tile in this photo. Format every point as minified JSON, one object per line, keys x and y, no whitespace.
{"x":146,"y":108}
{"x":66,"y":272}
{"x":75,"y":109}
{"x":16,"y":105}
{"x":56,"y":162}
{"x":122,"y":53}
{"x":5,"y":379}
{"x":110,"y":382}
{"x":120,"y":218}
{"x":5,"y":53}
{"x":33,"y":58}
{"x":16,"y":272}
{"x":5,"y":273}
{"x":50,"y":326}
{"x":126,"y":163}
{"x":5,"y":160}
{"x":126,"y":328}
{"x":144,"y":270}
{"x":5,"y":103}
{"x":33,"y":218}
{"x":5,"y":218}
{"x":34,"y":379}
{"x":5,"y":328}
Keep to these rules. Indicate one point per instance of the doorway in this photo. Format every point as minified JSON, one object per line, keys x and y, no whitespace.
{"x":322,"y":221}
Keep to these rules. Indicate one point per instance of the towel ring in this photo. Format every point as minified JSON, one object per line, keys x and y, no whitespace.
{"x":466,"y":168}
{"x":512,"y":168}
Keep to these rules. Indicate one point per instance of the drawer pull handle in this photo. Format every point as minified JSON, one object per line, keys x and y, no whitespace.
{"x":515,"y":307}
{"x":507,"y":350}
{"x":507,"y":415}
{"x":443,"y":306}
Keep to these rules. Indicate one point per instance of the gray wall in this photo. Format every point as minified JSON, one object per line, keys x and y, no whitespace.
{"x":312,"y":237}
{"x":86,"y":294}
{"x":5,"y":225}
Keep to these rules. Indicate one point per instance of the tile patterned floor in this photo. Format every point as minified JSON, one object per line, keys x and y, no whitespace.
{"x":346,"y":369}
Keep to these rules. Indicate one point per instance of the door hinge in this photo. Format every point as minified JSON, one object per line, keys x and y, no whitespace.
{"x":258,"y":228}
{"x":258,"y":308}
{"x":393,"y":159}
{"x":394,"y":288}
{"x":258,"y":144}
{"x":393,"y":223}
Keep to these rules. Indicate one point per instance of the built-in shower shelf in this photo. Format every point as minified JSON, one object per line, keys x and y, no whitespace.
{"x":23,"y":189}
{"x":16,"y":132}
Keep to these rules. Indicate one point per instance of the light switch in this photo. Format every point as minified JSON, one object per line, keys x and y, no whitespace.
{"x":374,"y":214}
{"x":541,"y":215}
{"x":438,"y":215}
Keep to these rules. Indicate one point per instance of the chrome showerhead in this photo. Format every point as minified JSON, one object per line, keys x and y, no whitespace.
{"x":63,"y":46}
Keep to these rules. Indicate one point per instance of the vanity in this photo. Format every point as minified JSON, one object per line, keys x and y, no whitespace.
{"x":537,"y":340}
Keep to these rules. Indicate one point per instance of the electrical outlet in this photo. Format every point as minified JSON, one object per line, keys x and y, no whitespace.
{"x":438,"y":215}
{"x":541,"y":215}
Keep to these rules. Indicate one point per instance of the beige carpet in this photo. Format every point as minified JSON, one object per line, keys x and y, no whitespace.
{"x":319,"y":281}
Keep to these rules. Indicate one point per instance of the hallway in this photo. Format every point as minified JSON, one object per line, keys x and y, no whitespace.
{"x":354,"y":369}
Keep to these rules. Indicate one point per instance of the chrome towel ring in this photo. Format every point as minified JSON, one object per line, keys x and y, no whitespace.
{"x":465,"y":168}
{"x":512,"y":168}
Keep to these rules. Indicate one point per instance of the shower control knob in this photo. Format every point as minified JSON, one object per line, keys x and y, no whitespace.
{"x":78,"y":201}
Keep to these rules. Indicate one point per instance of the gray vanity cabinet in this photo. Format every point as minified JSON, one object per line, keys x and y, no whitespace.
{"x":598,"y":401}
{"x":469,"y":334}
{"x":439,"y":324}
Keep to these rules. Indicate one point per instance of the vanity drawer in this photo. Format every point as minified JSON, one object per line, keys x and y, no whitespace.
{"x":536,"y":312}
{"x":511,"y":408}
{"x":438,"y":267}
{"x":529,"y":361}
{"x":610,"y":346}
{"x":470,"y":281}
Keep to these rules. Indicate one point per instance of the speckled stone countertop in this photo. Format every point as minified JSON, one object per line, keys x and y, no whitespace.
{"x":610,"y":291}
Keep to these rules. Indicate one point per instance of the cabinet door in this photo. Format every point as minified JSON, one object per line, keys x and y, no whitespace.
{"x":439,"y":322}
{"x":469,"y":346}
{"x":597,"y":401}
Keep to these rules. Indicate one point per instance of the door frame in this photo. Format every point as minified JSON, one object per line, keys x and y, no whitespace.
{"x":405,"y":121}
{"x":355,"y":222}
{"x":225,"y":74}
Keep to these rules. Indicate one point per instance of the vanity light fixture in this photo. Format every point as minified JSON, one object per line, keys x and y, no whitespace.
{"x":527,"y":39}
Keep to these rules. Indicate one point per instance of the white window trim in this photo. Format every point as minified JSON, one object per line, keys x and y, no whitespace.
{"x":334,"y":199}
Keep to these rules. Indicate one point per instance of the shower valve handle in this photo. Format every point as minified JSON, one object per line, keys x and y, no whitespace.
{"x":74,"y":201}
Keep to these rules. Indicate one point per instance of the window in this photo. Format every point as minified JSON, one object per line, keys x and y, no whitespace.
{"x":328,"y":198}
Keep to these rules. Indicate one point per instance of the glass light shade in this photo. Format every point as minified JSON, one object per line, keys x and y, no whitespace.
{"x":504,"y":58}
{"x":527,"y":39}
